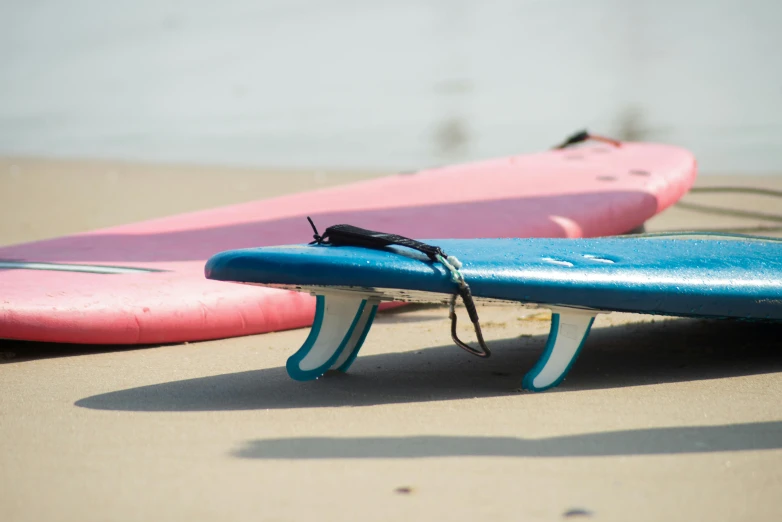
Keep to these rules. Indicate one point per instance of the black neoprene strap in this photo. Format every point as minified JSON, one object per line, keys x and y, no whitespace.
{"x":349,"y":235}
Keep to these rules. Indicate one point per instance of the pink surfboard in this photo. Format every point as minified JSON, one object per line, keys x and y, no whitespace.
{"x":144,"y":283}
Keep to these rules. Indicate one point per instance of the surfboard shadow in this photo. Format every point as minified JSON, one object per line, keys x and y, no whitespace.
{"x":15,"y":352}
{"x":627,"y":355}
{"x":651,"y":441}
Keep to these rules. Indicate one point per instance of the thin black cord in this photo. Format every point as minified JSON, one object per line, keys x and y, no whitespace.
{"x":740,"y":213}
{"x":708,"y":209}
{"x":745,"y":190}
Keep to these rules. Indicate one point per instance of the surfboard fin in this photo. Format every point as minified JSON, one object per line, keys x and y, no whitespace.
{"x":341,"y":324}
{"x":569,"y":330}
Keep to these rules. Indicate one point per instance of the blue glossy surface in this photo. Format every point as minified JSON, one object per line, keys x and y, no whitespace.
{"x":717,"y":276}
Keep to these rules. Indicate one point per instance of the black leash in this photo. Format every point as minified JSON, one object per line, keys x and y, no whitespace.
{"x":349,"y":235}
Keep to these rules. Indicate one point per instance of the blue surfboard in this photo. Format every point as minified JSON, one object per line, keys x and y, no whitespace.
{"x":703,"y":275}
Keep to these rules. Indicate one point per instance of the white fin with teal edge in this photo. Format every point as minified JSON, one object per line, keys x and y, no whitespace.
{"x":569,"y":330}
{"x":342,"y":322}
{"x":340,"y":326}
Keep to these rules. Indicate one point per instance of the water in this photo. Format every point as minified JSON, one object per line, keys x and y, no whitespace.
{"x":388,"y":85}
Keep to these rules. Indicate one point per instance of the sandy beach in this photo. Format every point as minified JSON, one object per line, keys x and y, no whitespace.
{"x":660,"y":419}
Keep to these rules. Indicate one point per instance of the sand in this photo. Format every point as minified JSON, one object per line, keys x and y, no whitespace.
{"x":660,"y":419}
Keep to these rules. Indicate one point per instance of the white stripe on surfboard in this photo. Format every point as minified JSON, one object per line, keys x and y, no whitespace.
{"x":67,"y":267}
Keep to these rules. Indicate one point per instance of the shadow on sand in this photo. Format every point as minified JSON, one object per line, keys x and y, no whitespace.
{"x":627,"y":355}
{"x":652,"y":441}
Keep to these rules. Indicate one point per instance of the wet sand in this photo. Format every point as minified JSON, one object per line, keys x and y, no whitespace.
{"x":660,"y":419}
